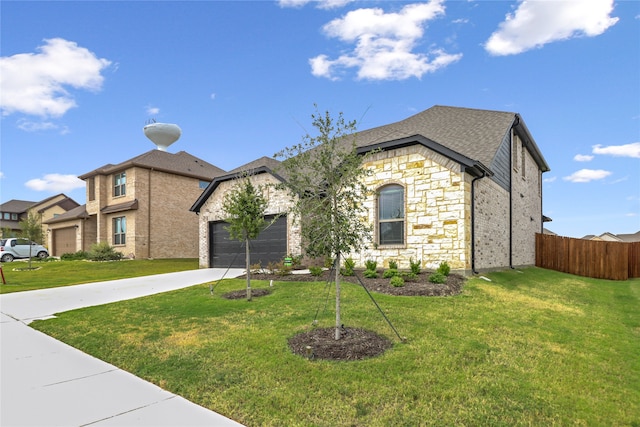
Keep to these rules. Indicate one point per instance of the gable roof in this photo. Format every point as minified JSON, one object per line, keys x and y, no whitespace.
{"x":181,"y":163}
{"x":256,"y":167}
{"x":475,"y":134}
{"x":16,"y":206}
{"x":79,"y":212}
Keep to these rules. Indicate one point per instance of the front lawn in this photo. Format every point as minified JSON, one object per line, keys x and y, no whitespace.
{"x":528,"y":348}
{"x":51,"y":274}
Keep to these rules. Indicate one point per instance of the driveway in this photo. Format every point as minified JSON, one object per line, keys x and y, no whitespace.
{"x":44,"y":382}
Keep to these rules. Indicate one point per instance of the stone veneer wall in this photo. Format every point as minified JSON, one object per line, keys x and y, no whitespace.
{"x":277,"y":202}
{"x":437,"y":213}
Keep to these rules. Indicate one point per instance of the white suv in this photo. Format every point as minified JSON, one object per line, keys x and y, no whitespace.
{"x":20,"y":248}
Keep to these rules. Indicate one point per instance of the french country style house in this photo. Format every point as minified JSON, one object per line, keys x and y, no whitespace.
{"x":448,"y":184}
{"x":139,"y":206}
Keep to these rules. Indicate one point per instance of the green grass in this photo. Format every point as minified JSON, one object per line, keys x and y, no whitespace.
{"x":528,"y":348}
{"x":51,"y":274}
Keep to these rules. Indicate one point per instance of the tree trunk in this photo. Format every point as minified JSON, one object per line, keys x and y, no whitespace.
{"x":248,"y":266}
{"x":338,"y":323}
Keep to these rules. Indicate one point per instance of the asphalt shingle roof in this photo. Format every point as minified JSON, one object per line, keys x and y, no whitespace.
{"x":181,"y":163}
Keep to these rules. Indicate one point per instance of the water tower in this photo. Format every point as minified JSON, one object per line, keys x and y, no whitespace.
{"x":162,"y":134}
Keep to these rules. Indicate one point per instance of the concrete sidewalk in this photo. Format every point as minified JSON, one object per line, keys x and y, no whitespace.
{"x":44,"y":382}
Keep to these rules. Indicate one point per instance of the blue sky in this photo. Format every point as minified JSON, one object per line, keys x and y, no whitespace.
{"x":79,"y":80}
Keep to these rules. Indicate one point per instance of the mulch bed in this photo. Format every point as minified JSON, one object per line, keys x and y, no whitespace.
{"x":420,"y":286}
{"x":354,"y":344}
{"x":242,"y":294}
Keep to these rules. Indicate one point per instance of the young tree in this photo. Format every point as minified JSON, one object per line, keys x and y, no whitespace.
{"x":244,"y":207}
{"x":324,"y":176}
{"x":31,"y":229}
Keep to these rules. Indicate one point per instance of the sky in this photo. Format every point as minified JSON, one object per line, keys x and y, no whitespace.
{"x":79,"y":80}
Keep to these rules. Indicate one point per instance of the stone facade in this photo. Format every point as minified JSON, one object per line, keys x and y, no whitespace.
{"x":437,"y":218}
{"x":277,"y":202}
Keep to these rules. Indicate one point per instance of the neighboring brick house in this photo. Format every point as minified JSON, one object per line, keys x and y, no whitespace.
{"x":14,"y":211}
{"x":139,"y":206}
{"x":448,"y":184}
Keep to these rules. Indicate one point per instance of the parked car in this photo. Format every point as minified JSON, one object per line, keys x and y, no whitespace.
{"x":20,"y":248}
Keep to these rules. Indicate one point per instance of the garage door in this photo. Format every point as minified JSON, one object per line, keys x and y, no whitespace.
{"x":270,"y":246}
{"x":64,"y":241}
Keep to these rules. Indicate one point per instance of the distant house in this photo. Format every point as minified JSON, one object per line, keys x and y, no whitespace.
{"x":448,"y":184}
{"x":139,"y":206}
{"x":610,"y":237}
{"x":14,"y":211}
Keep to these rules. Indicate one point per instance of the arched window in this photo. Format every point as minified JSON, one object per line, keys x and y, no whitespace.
{"x":391,"y":215}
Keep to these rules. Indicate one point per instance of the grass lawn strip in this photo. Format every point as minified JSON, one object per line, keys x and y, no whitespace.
{"x":528,"y":348}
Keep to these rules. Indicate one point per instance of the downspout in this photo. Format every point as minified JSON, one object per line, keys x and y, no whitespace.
{"x":473,"y":222}
{"x":517,"y":122}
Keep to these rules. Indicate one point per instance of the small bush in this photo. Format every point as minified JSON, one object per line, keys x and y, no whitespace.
{"x":370,"y":274}
{"x":75,"y":256}
{"x":437,"y":277}
{"x":255,"y":268}
{"x":371,"y":265}
{"x":393,"y":264}
{"x":102,"y":251}
{"x":392,"y":272}
{"x":415,"y":266}
{"x":349,"y":266}
{"x":279,"y":269}
{"x":315,"y":271}
{"x":408,"y":275}
{"x":397,"y":281}
{"x":444,"y":268}
{"x":328,"y":262}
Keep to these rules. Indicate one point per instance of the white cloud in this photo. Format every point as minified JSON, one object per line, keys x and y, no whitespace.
{"x":152,"y":111}
{"x":549,"y":180}
{"x":55,"y":182}
{"x":582,"y":158}
{"x":587,"y":175}
{"x":384,"y":44}
{"x":626,"y":150}
{"x":320,"y":4}
{"x":36,"y":83}
{"x":536,"y":23}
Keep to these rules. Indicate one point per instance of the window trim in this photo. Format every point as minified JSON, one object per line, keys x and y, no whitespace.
{"x":402,"y":220}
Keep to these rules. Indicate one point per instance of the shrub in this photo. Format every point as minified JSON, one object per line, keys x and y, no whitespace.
{"x":392,"y":272}
{"x":393,"y":264}
{"x":370,"y":274}
{"x":437,"y":277}
{"x":397,"y":281}
{"x":371,"y":265}
{"x":328,"y":262}
{"x":444,"y":268}
{"x":415,"y":266}
{"x":315,"y":271}
{"x":102,"y":251}
{"x":408,"y":275}
{"x":279,"y":269}
{"x":74,"y":256}
{"x":255,"y":268}
{"x":349,"y":266}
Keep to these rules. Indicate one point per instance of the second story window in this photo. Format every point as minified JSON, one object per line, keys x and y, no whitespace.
{"x":119,"y":184}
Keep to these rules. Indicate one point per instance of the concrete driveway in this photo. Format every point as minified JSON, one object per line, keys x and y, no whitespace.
{"x":44,"y":382}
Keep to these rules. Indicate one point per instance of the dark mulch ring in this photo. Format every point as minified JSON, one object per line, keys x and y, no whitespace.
{"x":420,"y":286}
{"x":354,"y":344}
{"x":255,"y":293}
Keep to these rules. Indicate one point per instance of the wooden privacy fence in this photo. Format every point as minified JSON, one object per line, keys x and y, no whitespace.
{"x":588,"y":258}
